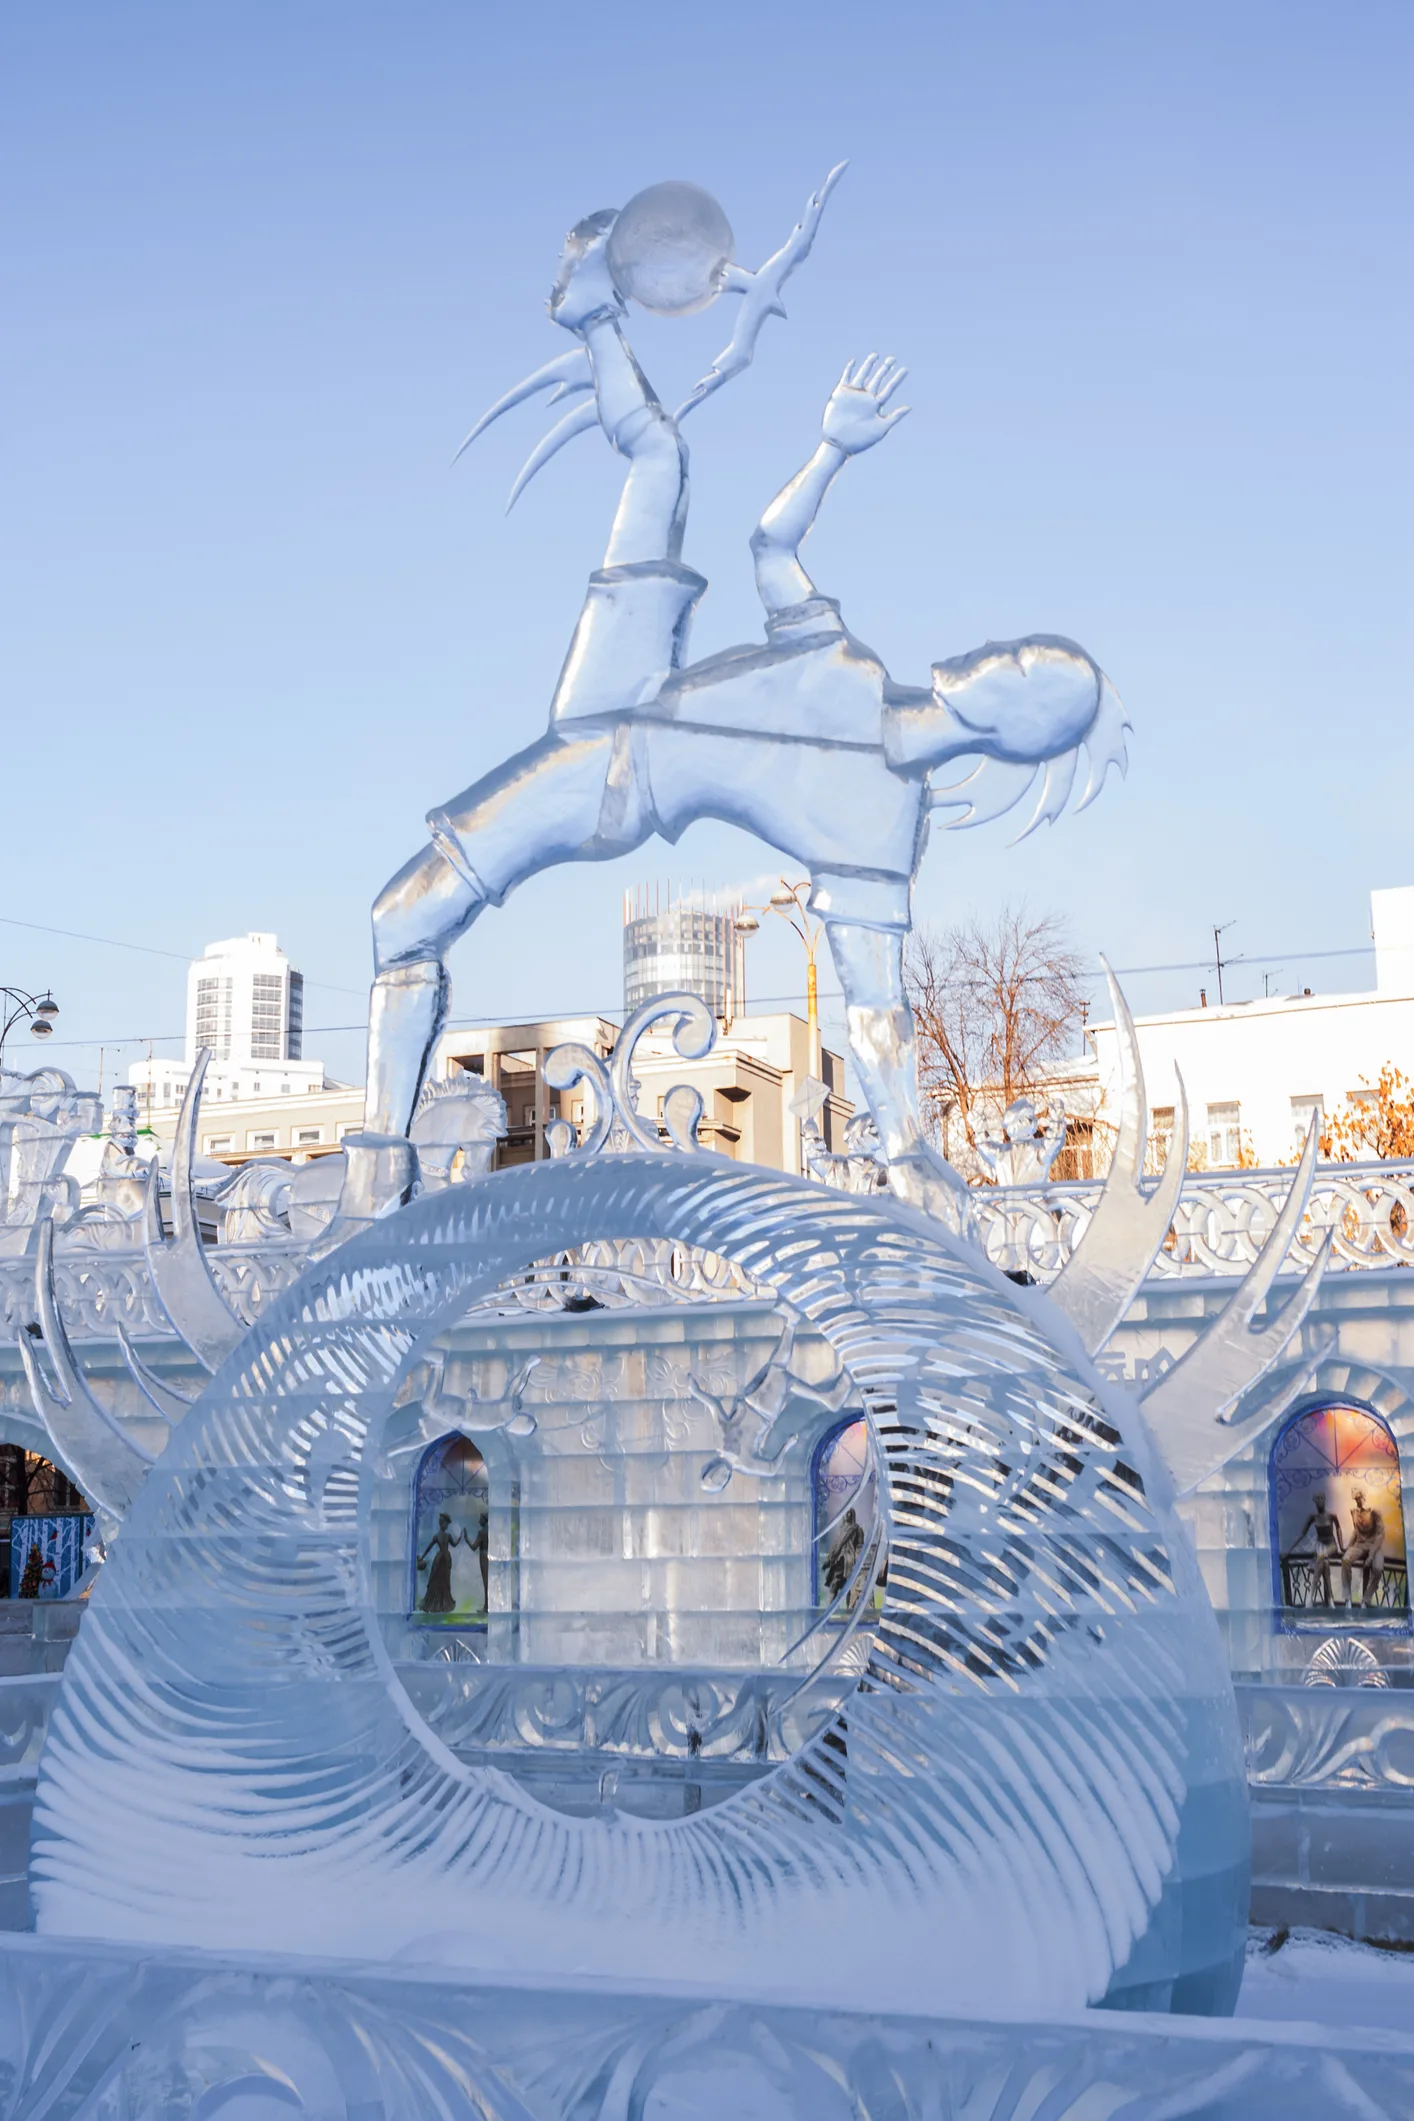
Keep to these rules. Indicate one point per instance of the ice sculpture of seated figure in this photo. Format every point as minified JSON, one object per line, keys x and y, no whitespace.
{"x":804,"y":740}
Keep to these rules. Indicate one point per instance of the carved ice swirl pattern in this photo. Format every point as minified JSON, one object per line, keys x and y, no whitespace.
{"x":1035,"y":1791}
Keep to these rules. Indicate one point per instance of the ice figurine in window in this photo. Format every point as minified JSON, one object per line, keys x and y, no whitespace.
{"x":1329,"y":1545}
{"x":1366,"y":1550}
{"x":1337,"y":1503}
{"x":845,"y":1494}
{"x":437,"y":1598}
{"x":451,"y":1535}
{"x":803,"y":738}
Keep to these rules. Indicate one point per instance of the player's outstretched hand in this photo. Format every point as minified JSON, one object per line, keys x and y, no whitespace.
{"x":858,"y":414}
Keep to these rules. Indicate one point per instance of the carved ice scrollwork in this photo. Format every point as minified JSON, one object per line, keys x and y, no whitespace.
{"x":1221,"y":1221}
{"x":615,"y":1273}
{"x":757,"y":1424}
{"x":25,"y":1702}
{"x":160,"y":2034}
{"x":98,"y":1291}
{"x":1342,"y":1661}
{"x":1326,"y":1737}
{"x":251,"y":1277}
{"x":667,"y":1714}
{"x":613,"y":1092}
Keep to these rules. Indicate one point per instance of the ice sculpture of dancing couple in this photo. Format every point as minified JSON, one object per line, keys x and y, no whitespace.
{"x":803,"y":739}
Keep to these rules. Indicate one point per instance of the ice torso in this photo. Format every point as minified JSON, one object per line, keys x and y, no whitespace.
{"x":810,"y":681}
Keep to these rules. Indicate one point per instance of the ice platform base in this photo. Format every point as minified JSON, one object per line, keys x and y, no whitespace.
{"x":125,"y":2033}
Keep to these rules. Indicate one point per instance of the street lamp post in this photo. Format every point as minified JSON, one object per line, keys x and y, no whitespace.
{"x":788,"y":903}
{"x":41,"y":1009}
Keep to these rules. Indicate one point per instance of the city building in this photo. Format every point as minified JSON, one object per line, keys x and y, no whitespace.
{"x":1256,"y":1072}
{"x":261,"y":1102}
{"x":747,"y":1083}
{"x":245,"y":1001}
{"x":298,"y":1127}
{"x":683,"y":944}
{"x":511,"y":1058}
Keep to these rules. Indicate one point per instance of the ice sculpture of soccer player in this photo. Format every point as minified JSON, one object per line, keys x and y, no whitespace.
{"x":803,"y":739}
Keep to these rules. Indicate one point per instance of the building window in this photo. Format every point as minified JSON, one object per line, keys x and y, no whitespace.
{"x":294,"y":1037}
{"x":846,"y":1517}
{"x":1303,"y":1111}
{"x":348,"y":1126}
{"x":213,"y":1016}
{"x":260,"y":1141}
{"x":304,"y":1135}
{"x":215,"y":1142}
{"x":1338,"y":1517}
{"x":1224,"y":1135}
{"x":450,"y":1554}
{"x":1161,"y":1134}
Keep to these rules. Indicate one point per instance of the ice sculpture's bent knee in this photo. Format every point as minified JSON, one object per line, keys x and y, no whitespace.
{"x":422,"y":911}
{"x":563,"y":799}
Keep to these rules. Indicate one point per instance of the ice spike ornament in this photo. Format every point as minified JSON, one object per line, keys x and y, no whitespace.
{"x":1030,"y":1797}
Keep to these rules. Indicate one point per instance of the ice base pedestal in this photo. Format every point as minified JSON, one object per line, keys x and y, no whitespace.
{"x":579,"y":1650}
{"x":95,"y":2032}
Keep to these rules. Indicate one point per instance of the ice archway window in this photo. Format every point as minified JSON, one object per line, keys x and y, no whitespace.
{"x":451,"y":1527}
{"x":846,"y":1499}
{"x":1338,"y":1516}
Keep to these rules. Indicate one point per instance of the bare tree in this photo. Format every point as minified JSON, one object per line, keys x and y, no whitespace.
{"x":997,"y":1005}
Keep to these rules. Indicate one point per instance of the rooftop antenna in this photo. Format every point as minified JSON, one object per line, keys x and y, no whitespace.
{"x":1219,"y":959}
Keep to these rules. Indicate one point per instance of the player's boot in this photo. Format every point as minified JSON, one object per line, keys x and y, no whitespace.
{"x":407,"y":1009}
{"x":380,"y":1174}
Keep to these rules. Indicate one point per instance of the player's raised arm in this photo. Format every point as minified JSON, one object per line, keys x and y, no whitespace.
{"x":857,"y":416}
{"x":652,"y":511}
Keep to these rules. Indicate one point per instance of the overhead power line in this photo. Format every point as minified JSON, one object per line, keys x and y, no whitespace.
{"x":118,"y":942}
{"x":525,"y":1016}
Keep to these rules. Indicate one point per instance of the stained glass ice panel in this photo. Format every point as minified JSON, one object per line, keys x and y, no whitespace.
{"x":1339,"y":1514}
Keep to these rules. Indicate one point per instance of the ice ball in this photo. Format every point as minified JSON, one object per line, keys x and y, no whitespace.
{"x":668,"y":248}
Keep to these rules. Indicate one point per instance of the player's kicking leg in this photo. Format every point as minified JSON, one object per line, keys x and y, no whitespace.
{"x":869,"y":962}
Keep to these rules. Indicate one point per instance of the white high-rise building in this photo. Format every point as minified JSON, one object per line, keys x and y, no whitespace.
{"x":245,"y":1003}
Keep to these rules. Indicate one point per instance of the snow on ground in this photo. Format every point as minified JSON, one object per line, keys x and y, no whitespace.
{"x":1319,"y":1979}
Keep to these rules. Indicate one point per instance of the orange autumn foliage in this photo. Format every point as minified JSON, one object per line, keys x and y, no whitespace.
{"x":1378,"y":1122}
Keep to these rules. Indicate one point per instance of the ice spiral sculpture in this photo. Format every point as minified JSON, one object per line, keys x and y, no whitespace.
{"x":1028,"y":1795}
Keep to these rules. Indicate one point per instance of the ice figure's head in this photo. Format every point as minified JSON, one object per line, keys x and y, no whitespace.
{"x":1015,"y":707}
{"x":1022,"y":701}
{"x":669,"y":248}
{"x":1019,"y":1120}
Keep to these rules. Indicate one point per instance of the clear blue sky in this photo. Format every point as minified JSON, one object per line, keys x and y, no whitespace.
{"x":264,"y":265}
